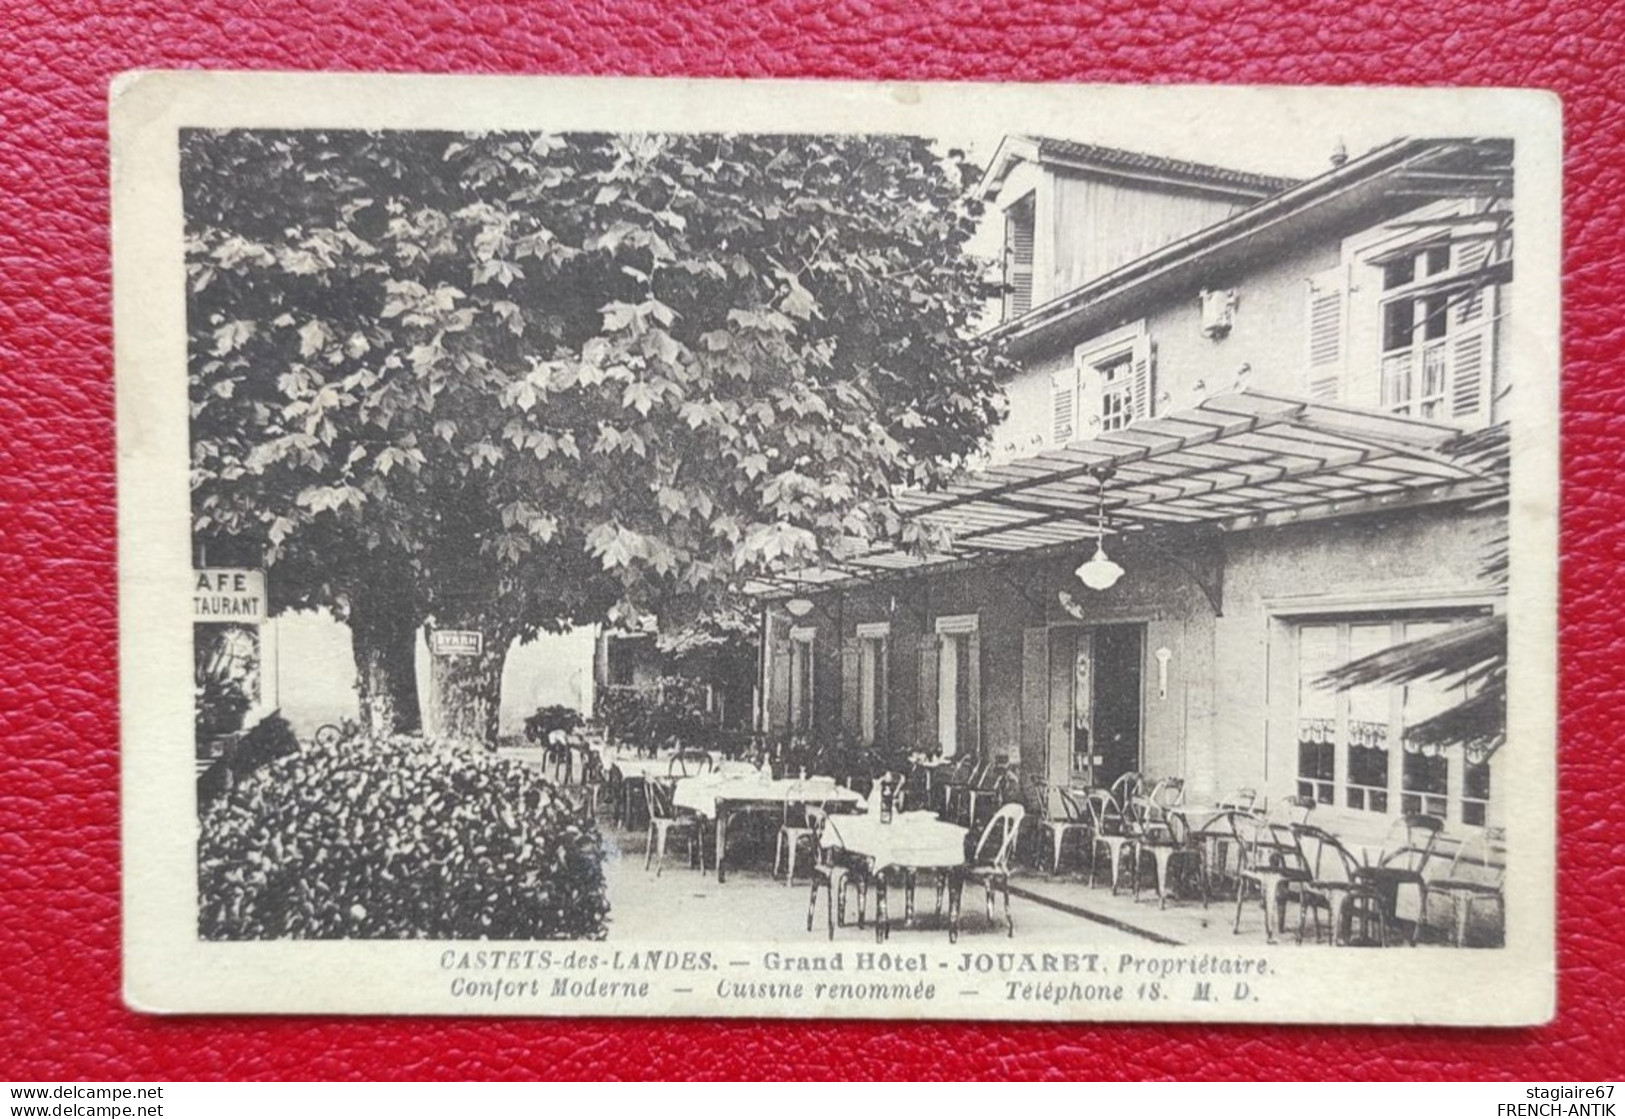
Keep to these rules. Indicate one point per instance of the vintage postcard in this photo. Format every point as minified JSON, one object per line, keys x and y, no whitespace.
{"x":791,"y":549}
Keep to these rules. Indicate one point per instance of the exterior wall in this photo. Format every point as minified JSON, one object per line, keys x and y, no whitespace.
{"x":1413,"y":560}
{"x":1101,"y":225}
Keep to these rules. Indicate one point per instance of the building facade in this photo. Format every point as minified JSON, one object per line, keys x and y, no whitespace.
{"x":1230,"y":465}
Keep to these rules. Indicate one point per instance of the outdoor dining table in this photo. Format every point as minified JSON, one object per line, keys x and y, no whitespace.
{"x":911,"y":842}
{"x":738,"y":788}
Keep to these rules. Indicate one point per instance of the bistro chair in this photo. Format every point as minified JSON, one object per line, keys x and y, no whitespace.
{"x":1403,"y":862}
{"x":992,"y":867}
{"x":1169,"y":842}
{"x":797,"y":828}
{"x":1334,"y":887}
{"x":1000,"y":787}
{"x":1271,"y":861}
{"x":961,"y":796}
{"x":1060,"y":815}
{"x":1291,"y":810}
{"x":1244,"y":800}
{"x":664,"y":822}
{"x":1476,"y":875}
{"x":835,"y":870}
{"x":592,"y":782}
{"x":966,"y":769}
{"x":1110,"y":829}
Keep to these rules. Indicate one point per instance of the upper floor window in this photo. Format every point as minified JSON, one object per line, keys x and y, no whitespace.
{"x":1408,"y":322}
{"x":1435,"y":332}
{"x":1107,"y":388}
{"x":1018,"y":258}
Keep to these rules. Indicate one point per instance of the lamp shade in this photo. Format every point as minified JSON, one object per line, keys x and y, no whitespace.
{"x":1099,"y":572}
{"x":799,"y":607}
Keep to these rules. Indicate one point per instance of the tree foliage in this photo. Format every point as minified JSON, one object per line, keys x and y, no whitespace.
{"x":519,"y":381}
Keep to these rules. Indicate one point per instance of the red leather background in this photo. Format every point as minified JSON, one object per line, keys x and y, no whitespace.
{"x":59,"y":961}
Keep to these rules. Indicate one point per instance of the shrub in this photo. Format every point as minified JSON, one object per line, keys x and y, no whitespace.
{"x":269,"y":739}
{"x":548,"y":719}
{"x":398,"y":839}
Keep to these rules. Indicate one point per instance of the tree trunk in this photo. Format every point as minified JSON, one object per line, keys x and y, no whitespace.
{"x":465,"y":692}
{"x":383,"y":634}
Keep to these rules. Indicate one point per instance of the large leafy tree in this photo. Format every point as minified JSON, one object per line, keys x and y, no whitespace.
{"x":514,"y":382}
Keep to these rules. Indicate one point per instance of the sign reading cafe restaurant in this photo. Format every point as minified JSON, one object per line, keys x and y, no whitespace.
{"x":228,"y":594}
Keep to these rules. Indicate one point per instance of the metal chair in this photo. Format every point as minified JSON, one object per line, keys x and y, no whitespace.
{"x":993,"y":869}
{"x":690,"y":763}
{"x":1061,"y":815}
{"x":1109,"y":828}
{"x":1271,"y":861}
{"x":1169,"y":842}
{"x":663,"y":822}
{"x":835,"y":871}
{"x":798,"y":826}
{"x":1476,"y":875}
{"x":1403,"y":862}
{"x":1334,"y":886}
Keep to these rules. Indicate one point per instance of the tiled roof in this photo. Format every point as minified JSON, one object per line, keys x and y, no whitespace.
{"x":1049,"y":147}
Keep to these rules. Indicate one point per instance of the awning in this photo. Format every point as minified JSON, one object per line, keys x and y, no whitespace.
{"x":1235,"y":461}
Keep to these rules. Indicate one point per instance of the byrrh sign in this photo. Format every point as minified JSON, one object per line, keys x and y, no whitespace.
{"x":228,"y":594}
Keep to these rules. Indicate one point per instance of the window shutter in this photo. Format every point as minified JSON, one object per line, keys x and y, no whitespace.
{"x":1327,"y":334}
{"x":1472,"y":357}
{"x":1035,"y":704}
{"x":1064,"y":405}
{"x":849,"y":687}
{"x":778,"y":696}
{"x":1143,"y":372}
{"x":925,"y":709}
{"x":1018,"y":261}
{"x":973,"y":693}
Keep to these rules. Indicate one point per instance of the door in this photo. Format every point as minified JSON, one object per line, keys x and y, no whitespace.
{"x":1094,"y":702}
{"x":1119,"y":651}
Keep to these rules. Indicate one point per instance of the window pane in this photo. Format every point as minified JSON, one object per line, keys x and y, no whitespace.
{"x":1438,"y":260}
{"x":1369,"y":714}
{"x":1317,"y":714}
{"x":1398,"y":323}
{"x":1435,"y":316}
{"x":1397,"y":273}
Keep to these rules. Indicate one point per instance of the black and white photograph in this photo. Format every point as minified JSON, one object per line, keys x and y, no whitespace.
{"x":819,"y":550}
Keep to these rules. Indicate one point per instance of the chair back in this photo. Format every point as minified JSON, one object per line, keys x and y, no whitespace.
{"x":1168,"y":793}
{"x":1006,"y":824}
{"x":1104,"y":815}
{"x":1410,"y":842}
{"x":1324,"y":855}
{"x":657,"y":797}
{"x":1126,"y":788}
{"x":1268,"y":844}
{"x":1481,"y":859}
{"x":1292,"y":810}
{"x":1243,"y":798}
{"x":690,"y":763}
{"x":1071,"y":810}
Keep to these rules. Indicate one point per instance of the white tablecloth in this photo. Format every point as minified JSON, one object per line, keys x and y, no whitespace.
{"x":912,"y":839}
{"x":634,"y":766}
{"x":703,"y":793}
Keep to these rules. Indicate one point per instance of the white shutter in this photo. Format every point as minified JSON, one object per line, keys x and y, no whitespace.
{"x":1327,"y":334}
{"x":1018,"y":261}
{"x":1472,"y":357}
{"x":1064,"y":406}
{"x":1142,"y":372}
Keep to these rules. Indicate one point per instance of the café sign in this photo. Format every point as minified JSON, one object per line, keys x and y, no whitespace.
{"x":456,"y":642}
{"x":233,"y":595}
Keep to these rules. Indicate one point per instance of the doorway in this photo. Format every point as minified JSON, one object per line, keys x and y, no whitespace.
{"x":1095,"y":703}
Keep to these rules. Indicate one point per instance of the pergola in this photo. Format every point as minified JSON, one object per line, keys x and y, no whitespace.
{"x":1235,"y":461}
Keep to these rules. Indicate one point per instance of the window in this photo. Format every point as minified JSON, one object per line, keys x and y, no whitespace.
{"x":801,"y":680}
{"x":1352,"y":748}
{"x":958,"y":684}
{"x":1107,"y":388}
{"x":872,"y":672}
{"x":1436,"y":331}
{"x":1018,"y":259}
